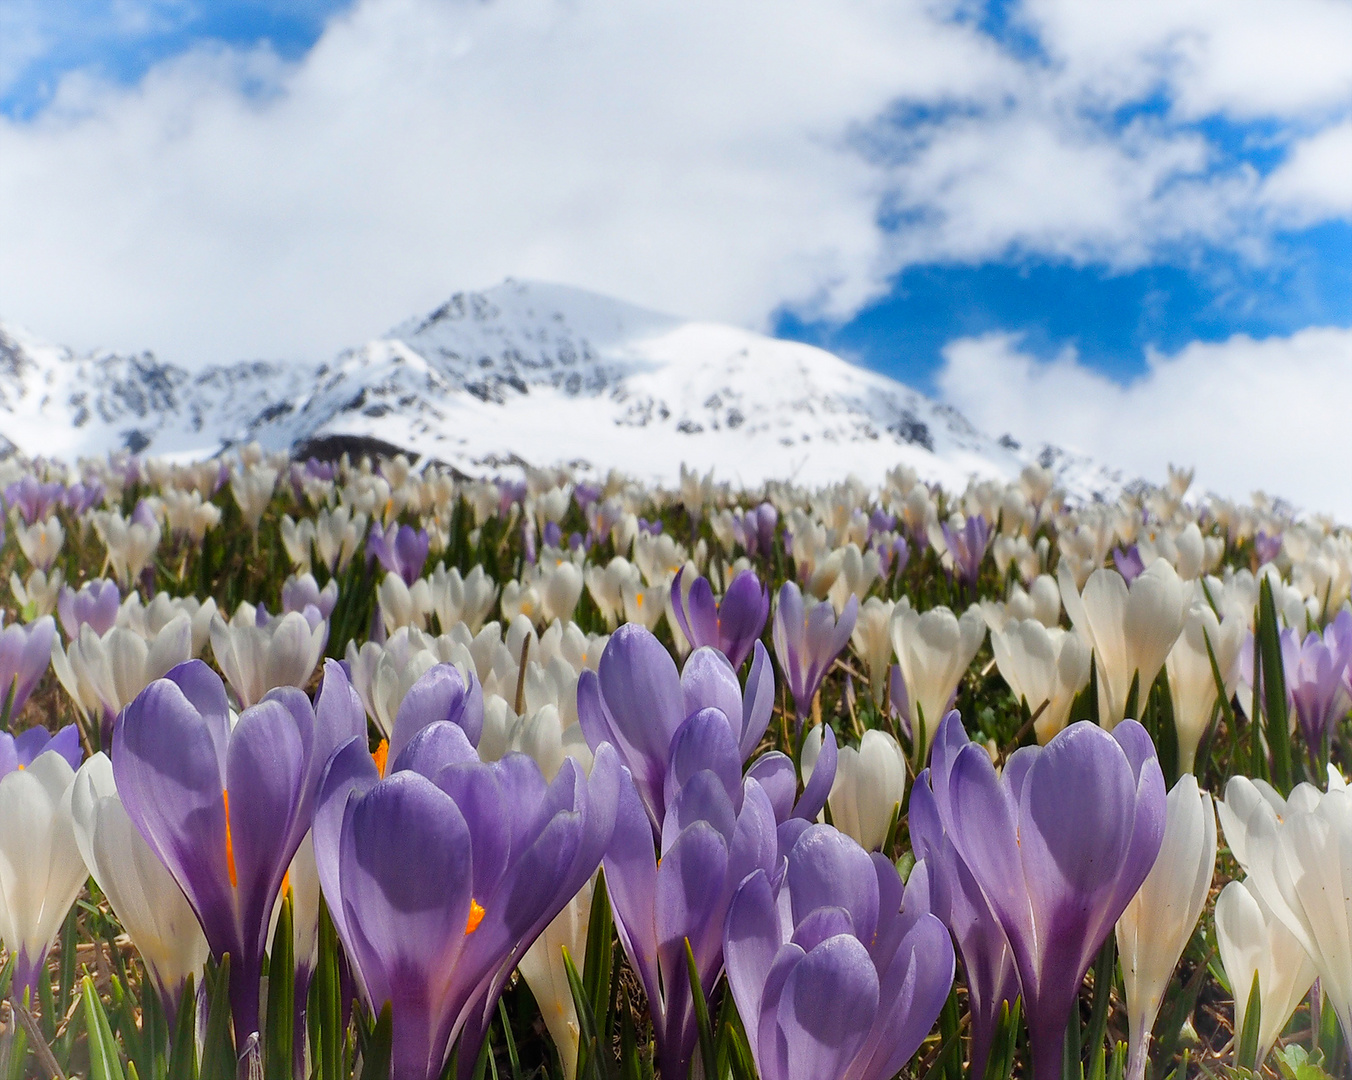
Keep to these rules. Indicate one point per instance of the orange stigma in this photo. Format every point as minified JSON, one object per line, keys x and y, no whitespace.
{"x":476,"y":916}
{"x":381,"y":756}
{"x":229,"y":844}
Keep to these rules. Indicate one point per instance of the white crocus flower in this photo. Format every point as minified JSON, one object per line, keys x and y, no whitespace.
{"x":103,"y":674}
{"x":298,"y":538}
{"x":150,"y":619}
{"x":870,"y":783}
{"x":131,"y":544}
{"x":1042,"y":666}
{"x":1298,"y":855}
{"x":467,"y":599}
{"x":644,"y":605}
{"x":1158,"y":923}
{"x":1130,"y":630}
{"x":1192,"y":683}
{"x":40,"y":542}
{"x":41,"y":871}
{"x":543,"y":969}
{"x":337,"y":533}
{"x":1253,"y":942}
{"x":255,"y":659}
{"x":144,"y":895}
{"x":872,"y":640}
{"x":933,"y":651}
{"x":252,"y":486}
{"x":560,"y":588}
{"x":187,"y":515}
{"x":403,"y":605}
{"x":607,"y":587}
{"x":38,"y":596}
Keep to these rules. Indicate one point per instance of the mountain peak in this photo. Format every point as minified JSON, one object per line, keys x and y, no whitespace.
{"x":527,"y":372}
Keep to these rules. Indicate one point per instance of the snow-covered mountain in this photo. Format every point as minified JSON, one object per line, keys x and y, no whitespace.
{"x":525,"y":373}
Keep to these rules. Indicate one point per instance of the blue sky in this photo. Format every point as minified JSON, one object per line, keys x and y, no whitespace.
{"x":1111,"y":195}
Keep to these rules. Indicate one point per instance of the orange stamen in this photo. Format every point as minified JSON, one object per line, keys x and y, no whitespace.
{"x":229,"y":844}
{"x":381,"y":756}
{"x":286,"y":882}
{"x":476,"y":916}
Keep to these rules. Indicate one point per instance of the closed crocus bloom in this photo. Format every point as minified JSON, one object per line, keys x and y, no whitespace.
{"x":870,"y":784}
{"x":1131,"y":630}
{"x":1317,"y":671}
{"x":338,"y":532}
{"x":252,"y":486}
{"x":403,"y":605}
{"x":956,"y":899}
{"x":225,"y":807}
{"x":256,"y":659}
{"x":716,"y":829}
{"x":144,"y":895}
{"x":441,"y":695}
{"x":543,"y":969}
{"x":808,"y":637}
{"x":1044,"y":667}
{"x":835,"y":976}
{"x":872,"y":640}
{"x":401,"y":549}
{"x":730,"y":624}
{"x":606,"y":586}
{"x":25,"y":652}
{"x":934,"y":651}
{"x":41,"y":542}
{"x":1158,"y":923}
{"x":457,"y":599}
{"x":96,"y":603}
{"x":442,"y":874}
{"x":41,"y":871}
{"x":1059,"y":843}
{"x":1298,"y":862}
{"x":1192,"y":684}
{"x":636,"y":702}
{"x":1254,"y":942}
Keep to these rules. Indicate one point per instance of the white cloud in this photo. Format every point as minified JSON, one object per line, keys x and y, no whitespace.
{"x":1269,"y":414}
{"x":702,"y":157}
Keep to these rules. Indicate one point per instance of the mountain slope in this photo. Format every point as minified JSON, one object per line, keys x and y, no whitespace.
{"x":526,"y":373}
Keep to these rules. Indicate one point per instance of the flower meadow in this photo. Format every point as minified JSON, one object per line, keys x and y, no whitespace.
{"x":362,"y":769}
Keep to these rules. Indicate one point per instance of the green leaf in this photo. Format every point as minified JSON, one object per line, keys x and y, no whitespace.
{"x":280,"y":1020}
{"x":218,"y":1050}
{"x":183,"y":1049}
{"x":1247,"y":1055}
{"x":588,"y":1051}
{"x":1274,"y":689}
{"x":104,"y":1063}
{"x":706,"y":1035}
{"x":1104,"y":966}
{"x":376,"y":1056}
{"x":1118,"y":1069}
{"x":596,"y":965}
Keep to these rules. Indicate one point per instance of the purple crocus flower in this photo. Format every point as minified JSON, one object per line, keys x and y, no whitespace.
{"x":1128,"y":563}
{"x":956,"y":899}
{"x":25,"y":652}
{"x":34,"y":500}
{"x":652,"y":528}
{"x":440,"y":876}
{"x":1266,"y":548}
{"x":732,"y":624}
{"x":833,"y":975}
{"x":20,"y":751}
{"x":81,"y":497}
{"x":636,"y":702}
{"x":968,"y":547}
{"x":552,"y":534}
{"x":401,"y":549}
{"x":1317,"y":672}
{"x":807,"y":641}
{"x":302,"y":592}
{"x":1059,"y":843}
{"x":717,"y":829}
{"x":96,"y":604}
{"x":225,"y":808}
